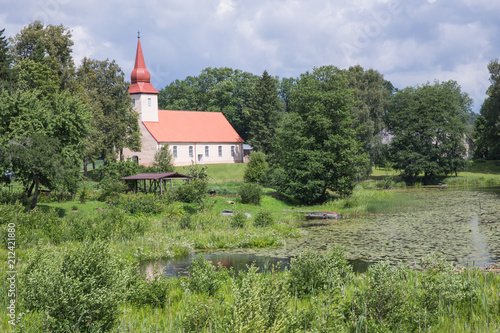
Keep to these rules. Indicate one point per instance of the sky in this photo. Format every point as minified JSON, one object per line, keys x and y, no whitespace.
{"x":410,"y":42}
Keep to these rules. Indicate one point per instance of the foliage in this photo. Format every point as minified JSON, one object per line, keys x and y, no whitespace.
{"x":368,"y":107}
{"x":163,"y":160}
{"x":139,"y":203}
{"x":486,"y":125}
{"x":311,"y":273}
{"x":204,"y":277}
{"x":261,"y":304}
{"x":263,"y":218}
{"x":77,"y":289}
{"x":5,"y":62}
{"x":238,"y":219}
{"x":257,"y":168}
{"x":250,"y":193}
{"x":192,"y":192}
{"x":315,"y":147}
{"x":264,"y":112}
{"x":428,"y":123}
{"x":114,"y":122}
{"x":49,"y":46}
{"x":111,"y":188}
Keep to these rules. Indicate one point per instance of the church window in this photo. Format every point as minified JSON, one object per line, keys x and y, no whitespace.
{"x":207,"y":151}
{"x":133,"y":101}
{"x":191,"y":154}
{"x":220,"y":151}
{"x":233,"y":153}
{"x":149,"y":102}
{"x":174,"y":151}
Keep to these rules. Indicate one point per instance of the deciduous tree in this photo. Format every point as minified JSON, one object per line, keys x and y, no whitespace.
{"x":428,"y":124}
{"x":316,"y":148}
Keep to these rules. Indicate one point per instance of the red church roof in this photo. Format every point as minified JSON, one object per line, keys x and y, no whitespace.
{"x":140,"y":77}
{"x":192,"y":126}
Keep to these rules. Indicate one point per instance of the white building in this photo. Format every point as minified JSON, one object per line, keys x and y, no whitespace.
{"x":193,"y":136}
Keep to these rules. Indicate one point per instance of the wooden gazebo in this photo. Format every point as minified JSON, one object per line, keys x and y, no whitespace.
{"x":156,"y":180}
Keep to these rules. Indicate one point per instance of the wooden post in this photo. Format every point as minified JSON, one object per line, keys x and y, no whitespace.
{"x":135,"y":186}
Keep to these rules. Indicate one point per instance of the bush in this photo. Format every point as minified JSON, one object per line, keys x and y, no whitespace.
{"x":250,"y":194}
{"x":238,"y":220}
{"x":192,"y":192}
{"x":204,"y":276}
{"x":311,"y":273}
{"x":111,"y":188}
{"x":263,"y":218}
{"x":77,"y":289}
{"x":256,"y":169}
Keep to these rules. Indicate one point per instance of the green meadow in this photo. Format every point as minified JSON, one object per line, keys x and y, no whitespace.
{"x":318,"y":293}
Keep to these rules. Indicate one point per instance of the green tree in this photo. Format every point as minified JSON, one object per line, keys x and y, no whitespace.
{"x":370,"y":102}
{"x":163,"y":160}
{"x":256,"y":169}
{"x":35,"y":161}
{"x":428,"y":124}
{"x":5,"y":62}
{"x":316,"y":147}
{"x":114,"y":122}
{"x":264,"y":110}
{"x":49,"y":45}
{"x":487,"y":125}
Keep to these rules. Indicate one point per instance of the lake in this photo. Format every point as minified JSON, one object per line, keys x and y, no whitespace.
{"x":462,"y":225}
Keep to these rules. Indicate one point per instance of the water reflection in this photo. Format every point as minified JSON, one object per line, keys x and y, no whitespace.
{"x":237,"y":261}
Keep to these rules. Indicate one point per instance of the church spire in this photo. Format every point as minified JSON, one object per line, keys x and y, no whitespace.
{"x":140,"y":77}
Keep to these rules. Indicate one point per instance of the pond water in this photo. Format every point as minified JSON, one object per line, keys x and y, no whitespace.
{"x":463,"y":226}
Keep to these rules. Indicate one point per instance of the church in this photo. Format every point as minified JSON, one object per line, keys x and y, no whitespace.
{"x":193,"y":136}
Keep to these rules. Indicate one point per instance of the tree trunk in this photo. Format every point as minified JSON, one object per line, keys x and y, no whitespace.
{"x":121,"y":155}
{"x":85,"y":166}
{"x":35,"y":195}
{"x":30,"y":190}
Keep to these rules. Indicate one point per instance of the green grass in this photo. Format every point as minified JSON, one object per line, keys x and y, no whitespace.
{"x":221,"y":172}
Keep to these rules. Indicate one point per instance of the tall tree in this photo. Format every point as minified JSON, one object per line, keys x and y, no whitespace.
{"x":5,"y":62}
{"x":428,"y":124}
{"x":487,"y":125}
{"x":49,"y":45}
{"x":370,"y":102}
{"x":264,"y":110}
{"x":316,"y":148}
{"x":114,"y":121}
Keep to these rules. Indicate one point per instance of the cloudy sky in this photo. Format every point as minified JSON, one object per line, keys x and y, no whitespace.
{"x":410,"y":42}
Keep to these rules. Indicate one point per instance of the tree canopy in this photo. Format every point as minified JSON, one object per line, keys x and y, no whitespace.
{"x":316,"y":148}
{"x":487,"y":125}
{"x":428,"y":124}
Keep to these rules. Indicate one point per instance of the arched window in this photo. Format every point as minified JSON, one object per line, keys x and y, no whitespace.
{"x":135,"y":159}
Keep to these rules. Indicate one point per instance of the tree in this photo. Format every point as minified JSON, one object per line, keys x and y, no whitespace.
{"x":370,"y":102}
{"x":163,"y":160}
{"x":316,"y":148}
{"x":35,"y":161}
{"x":428,"y":124}
{"x":256,"y":169}
{"x":49,"y":45}
{"x":264,"y":110}
{"x":487,"y":125}
{"x":5,"y":62}
{"x":115,"y":123}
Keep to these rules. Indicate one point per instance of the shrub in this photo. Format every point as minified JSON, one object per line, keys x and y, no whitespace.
{"x":111,"y":188}
{"x":256,"y":169}
{"x":311,"y":273}
{"x":203,"y":276}
{"x":263,"y":218}
{"x":76,"y":289}
{"x":261,"y":304}
{"x":192,"y":192}
{"x":238,"y":220}
{"x":250,"y":194}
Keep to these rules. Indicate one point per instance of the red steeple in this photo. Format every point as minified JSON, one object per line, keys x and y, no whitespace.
{"x":140,"y":77}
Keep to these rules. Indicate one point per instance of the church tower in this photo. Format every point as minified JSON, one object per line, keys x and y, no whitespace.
{"x":144,"y":95}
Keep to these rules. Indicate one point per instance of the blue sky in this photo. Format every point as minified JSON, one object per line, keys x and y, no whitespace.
{"x":410,"y":42}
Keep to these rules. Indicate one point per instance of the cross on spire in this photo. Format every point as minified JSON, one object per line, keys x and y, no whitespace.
{"x":138,"y":34}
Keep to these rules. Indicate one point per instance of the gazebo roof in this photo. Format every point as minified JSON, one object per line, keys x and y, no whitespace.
{"x":151,"y":176}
